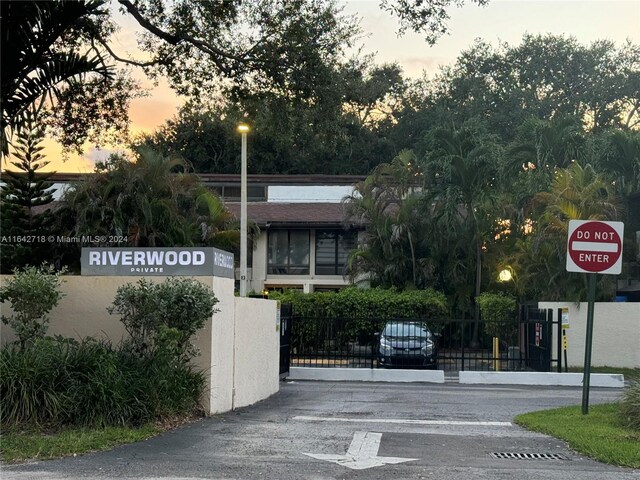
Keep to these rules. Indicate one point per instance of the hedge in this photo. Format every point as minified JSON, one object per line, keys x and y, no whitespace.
{"x":366,"y":303}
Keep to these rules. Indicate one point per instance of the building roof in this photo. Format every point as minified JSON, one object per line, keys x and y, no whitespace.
{"x":291,"y":214}
{"x":219,"y":178}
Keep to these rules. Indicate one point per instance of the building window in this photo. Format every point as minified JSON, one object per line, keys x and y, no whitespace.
{"x":288,"y":252}
{"x":332,"y":251}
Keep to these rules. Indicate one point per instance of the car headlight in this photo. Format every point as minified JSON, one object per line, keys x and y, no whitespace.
{"x":427,"y":350}
{"x":385,"y":347}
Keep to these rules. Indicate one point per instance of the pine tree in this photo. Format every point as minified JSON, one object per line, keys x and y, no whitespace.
{"x":22,"y":191}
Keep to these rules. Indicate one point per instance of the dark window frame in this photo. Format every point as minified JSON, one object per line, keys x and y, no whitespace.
{"x":288,"y":268}
{"x":335,"y":267}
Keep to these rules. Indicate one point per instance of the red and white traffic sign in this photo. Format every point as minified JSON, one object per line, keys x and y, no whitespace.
{"x":595,"y":247}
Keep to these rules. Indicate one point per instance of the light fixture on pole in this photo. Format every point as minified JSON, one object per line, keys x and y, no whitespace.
{"x":243,"y":129}
{"x":505,"y":275}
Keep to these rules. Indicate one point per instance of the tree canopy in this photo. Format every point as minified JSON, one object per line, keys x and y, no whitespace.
{"x":66,"y":50}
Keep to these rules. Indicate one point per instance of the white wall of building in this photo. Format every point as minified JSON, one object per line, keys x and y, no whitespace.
{"x":308,"y":193}
{"x":616,"y":333}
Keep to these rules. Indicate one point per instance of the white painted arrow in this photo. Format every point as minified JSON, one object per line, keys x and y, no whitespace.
{"x":362,"y":453}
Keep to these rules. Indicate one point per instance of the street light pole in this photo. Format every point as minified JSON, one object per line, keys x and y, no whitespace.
{"x":243,"y":129}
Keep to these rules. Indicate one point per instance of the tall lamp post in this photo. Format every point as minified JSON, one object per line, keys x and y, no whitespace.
{"x":243,"y":129}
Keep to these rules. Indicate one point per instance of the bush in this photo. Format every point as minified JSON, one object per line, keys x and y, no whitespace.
{"x":366,"y":303}
{"x":499,"y":314}
{"x":90,"y":383}
{"x":164,"y":316}
{"x":630,"y":405}
{"x":33,"y":293}
{"x":365,"y":312}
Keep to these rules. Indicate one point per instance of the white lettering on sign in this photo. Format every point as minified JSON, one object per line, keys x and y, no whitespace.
{"x":126,"y":258}
{"x":146,"y":258}
{"x":198,"y":258}
{"x":147,"y":269}
{"x":222,"y":260}
{"x":171,"y":258}
{"x":593,"y":257}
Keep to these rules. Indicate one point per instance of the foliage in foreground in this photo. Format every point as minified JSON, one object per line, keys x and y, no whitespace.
{"x":33,"y":292}
{"x":600,"y":434}
{"x":91,"y":383}
{"x":630,"y":405}
{"x":59,"y":381}
{"x":164,"y":316}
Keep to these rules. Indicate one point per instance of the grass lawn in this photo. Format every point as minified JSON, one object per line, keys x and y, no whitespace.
{"x":628,"y":373}
{"x":599,"y":434}
{"x":17,"y":446}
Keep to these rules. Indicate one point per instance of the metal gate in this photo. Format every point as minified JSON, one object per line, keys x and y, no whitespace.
{"x":285,"y":311}
{"x":537,"y":328}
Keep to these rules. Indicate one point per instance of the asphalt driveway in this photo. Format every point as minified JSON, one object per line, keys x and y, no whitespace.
{"x":323,"y":430}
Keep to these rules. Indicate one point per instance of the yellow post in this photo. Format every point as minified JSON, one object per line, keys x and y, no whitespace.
{"x":496,"y":354}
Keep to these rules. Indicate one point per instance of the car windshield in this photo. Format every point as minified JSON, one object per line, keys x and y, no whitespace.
{"x":412,"y":330}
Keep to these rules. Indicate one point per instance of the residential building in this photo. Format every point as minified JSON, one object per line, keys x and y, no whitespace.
{"x":304,"y":243}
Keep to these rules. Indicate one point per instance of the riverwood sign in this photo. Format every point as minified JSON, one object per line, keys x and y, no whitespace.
{"x":132,"y":261}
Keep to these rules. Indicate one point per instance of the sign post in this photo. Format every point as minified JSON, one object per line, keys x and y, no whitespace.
{"x":593,"y":247}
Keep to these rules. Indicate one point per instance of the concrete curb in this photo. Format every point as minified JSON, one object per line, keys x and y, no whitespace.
{"x":541,"y":378}
{"x":365,"y":375}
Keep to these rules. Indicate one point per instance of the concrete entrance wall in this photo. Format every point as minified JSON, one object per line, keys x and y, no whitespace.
{"x":616,"y":333}
{"x":239,"y":345}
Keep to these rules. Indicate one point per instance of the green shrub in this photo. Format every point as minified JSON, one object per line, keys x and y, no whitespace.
{"x":164,"y":316}
{"x":630,"y":405}
{"x":363,"y":311}
{"x":499,"y":314}
{"x":366,"y":303}
{"x":91,"y":383}
{"x":33,"y":293}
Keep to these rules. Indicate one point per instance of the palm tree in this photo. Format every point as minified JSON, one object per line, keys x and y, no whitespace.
{"x":154,"y":201}
{"x":33,"y":64}
{"x":462,"y":182}
{"x":548,"y":144}
{"x":389,"y":204}
{"x":577,"y":193}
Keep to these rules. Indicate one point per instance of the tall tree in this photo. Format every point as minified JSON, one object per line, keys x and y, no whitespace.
{"x":263,"y":46}
{"x":38,"y":63}
{"x":461,"y":178}
{"x":388,"y":203}
{"x":544,"y":76}
{"x":24,"y":194}
{"x":341,"y":130}
{"x":153,"y":201}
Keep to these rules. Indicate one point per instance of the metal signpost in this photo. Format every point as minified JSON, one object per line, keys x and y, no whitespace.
{"x":593,"y":247}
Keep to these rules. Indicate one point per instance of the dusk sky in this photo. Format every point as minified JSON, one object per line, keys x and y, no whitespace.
{"x":501,"y":20}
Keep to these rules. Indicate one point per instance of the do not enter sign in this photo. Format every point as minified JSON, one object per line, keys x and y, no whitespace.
{"x":595,"y":247}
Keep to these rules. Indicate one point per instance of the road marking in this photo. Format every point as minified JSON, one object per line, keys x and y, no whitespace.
{"x":403,"y":421}
{"x":362,"y":453}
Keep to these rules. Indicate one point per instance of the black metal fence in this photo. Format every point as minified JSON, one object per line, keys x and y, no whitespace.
{"x":452,"y":345}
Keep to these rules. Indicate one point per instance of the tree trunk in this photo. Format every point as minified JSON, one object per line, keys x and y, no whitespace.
{"x":476,"y":310}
